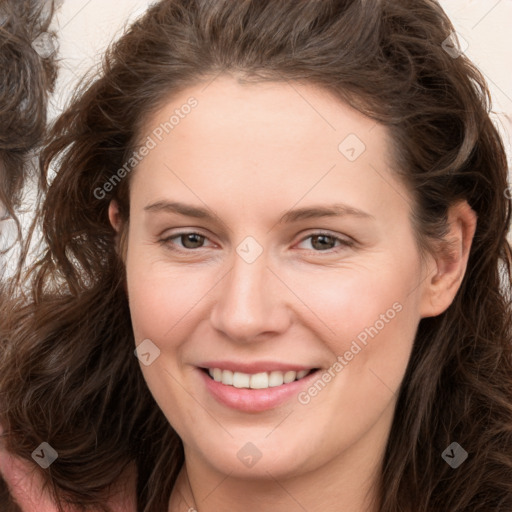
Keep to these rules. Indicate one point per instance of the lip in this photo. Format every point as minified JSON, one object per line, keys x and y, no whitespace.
{"x":255,"y":400}
{"x":255,"y":367}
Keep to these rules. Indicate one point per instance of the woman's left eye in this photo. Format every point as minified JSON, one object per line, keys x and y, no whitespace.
{"x":319,"y":241}
{"x":323,"y":239}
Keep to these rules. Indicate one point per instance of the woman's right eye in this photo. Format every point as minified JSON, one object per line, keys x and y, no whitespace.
{"x":189,"y":241}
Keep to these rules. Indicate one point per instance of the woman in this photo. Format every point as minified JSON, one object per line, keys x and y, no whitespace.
{"x":199,"y":179}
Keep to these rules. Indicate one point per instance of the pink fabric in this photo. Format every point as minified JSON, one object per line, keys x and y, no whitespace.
{"x":26,"y":487}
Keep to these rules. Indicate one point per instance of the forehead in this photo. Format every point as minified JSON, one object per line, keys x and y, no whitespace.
{"x":227,"y":112}
{"x":282,"y":141}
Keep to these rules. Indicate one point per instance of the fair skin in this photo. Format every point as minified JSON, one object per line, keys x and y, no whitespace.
{"x":249,"y":154}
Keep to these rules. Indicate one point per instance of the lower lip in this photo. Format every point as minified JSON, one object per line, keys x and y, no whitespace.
{"x":255,"y":400}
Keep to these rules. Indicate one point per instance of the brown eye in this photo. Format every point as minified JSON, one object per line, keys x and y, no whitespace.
{"x":325,"y":242}
{"x":191,"y":240}
{"x":188,"y":241}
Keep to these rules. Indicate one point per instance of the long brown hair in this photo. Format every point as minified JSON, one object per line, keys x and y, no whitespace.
{"x":26,"y":80}
{"x":70,"y":377}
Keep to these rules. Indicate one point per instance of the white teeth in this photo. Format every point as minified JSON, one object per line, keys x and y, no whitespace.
{"x":275,"y":379}
{"x":261,"y":380}
{"x":241,"y":380}
{"x":289,"y":377}
{"x":227,"y":377}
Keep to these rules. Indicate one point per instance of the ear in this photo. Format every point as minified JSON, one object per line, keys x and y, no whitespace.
{"x":116,"y":220}
{"x":114,"y":215}
{"x":450,"y":261}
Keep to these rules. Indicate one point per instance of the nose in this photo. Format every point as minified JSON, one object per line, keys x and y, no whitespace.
{"x":250,"y":303}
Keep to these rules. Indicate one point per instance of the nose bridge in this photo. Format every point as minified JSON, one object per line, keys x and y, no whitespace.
{"x":247,"y":303}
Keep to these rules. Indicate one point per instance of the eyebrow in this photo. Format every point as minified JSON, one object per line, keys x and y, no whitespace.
{"x":312,"y":212}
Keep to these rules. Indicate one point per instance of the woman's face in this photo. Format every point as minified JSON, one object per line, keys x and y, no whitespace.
{"x":269,"y":236}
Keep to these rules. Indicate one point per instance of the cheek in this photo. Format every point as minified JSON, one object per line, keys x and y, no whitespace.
{"x":159,"y":294}
{"x":161,"y":304}
{"x":156,"y":310}
{"x":372,"y":319}
{"x":367,"y":317}
{"x":370,"y":301}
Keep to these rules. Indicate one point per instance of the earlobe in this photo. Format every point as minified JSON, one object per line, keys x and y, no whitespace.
{"x":451,"y":260}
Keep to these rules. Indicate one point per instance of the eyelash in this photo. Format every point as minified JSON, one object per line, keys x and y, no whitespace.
{"x":343,"y":243}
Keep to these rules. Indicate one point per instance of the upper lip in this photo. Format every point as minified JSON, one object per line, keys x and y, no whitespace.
{"x":256,"y":366}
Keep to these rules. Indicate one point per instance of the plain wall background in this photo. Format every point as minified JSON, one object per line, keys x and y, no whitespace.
{"x":86,"y":27}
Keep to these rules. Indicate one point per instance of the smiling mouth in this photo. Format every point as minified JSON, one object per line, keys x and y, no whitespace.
{"x":262,"y":380}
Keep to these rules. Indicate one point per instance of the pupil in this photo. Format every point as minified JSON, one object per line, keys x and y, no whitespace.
{"x":322,"y":244}
{"x":189,"y":238}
